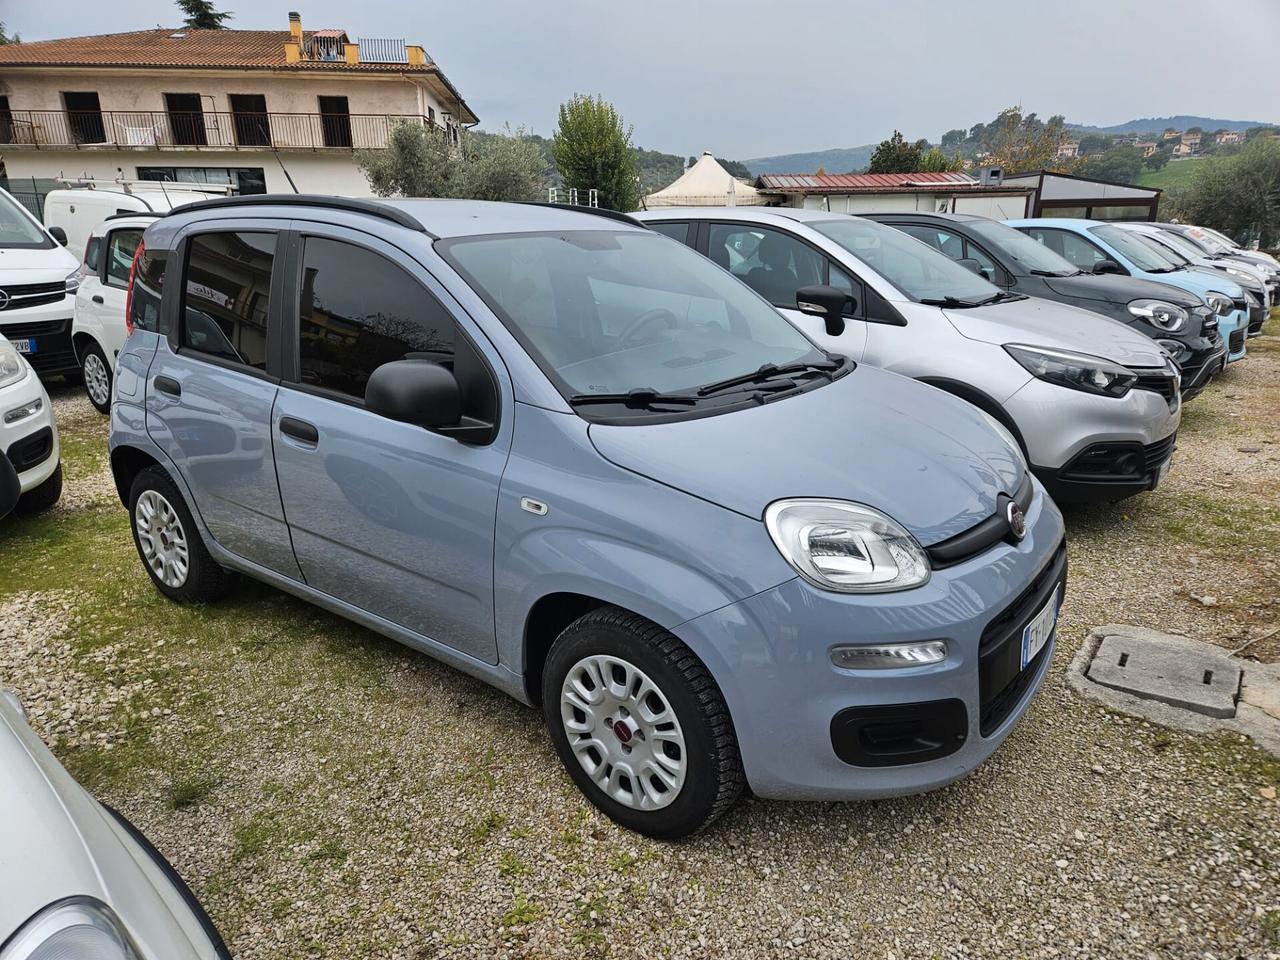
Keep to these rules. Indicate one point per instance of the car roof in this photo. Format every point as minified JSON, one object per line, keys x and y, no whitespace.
{"x":924,"y":217}
{"x":772,"y":215}
{"x":1069,"y":222}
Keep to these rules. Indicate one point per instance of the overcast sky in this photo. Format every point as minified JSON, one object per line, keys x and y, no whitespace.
{"x":749,"y":78}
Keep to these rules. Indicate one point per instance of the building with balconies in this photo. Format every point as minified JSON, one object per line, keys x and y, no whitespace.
{"x":262,"y":110}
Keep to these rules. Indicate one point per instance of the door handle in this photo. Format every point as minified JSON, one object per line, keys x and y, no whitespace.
{"x":299,"y":430}
{"x":97,"y":299}
{"x":168,"y":385}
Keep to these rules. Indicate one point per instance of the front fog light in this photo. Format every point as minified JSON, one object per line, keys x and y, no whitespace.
{"x":24,"y":411}
{"x":886,"y":656}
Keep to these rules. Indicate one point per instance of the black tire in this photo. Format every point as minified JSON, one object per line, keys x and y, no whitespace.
{"x":205,"y":580}
{"x":41,"y":498}
{"x":92,"y":350}
{"x":713,"y":779}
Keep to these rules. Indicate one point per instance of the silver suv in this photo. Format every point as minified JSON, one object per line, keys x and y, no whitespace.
{"x":1094,"y":405}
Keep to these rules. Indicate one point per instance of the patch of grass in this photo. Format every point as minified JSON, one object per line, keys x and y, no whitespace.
{"x":251,"y":838}
{"x":510,"y":865}
{"x":330,"y":851}
{"x":183,"y":792}
{"x":623,"y":862}
{"x":482,"y":829}
{"x":520,"y":913}
{"x":1271,"y":928}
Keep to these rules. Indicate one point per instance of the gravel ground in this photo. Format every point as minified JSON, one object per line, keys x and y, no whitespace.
{"x":331,"y":794}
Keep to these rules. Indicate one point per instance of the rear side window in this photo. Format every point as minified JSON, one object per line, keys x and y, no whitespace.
{"x":226,"y":297}
{"x":357,"y":311}
{"x":148,"y":283}
{"x":121,"y":246}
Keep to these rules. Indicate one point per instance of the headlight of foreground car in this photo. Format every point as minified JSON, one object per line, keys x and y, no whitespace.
{"x":1166,"y":316}
{"x":1220,"y":302}
{"x":73,"y":280}
{"x":12,"y":369}
{"x":74,"y":929}
{"x":1077,"y":371}
{"x":846,"y":547}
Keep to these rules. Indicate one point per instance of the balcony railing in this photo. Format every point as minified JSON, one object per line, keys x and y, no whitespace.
{"x":207,"y":130}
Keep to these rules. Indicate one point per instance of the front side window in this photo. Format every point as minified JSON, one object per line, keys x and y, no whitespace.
{"x":121,"y":246}
{"x":226,"y":296}
{"x":917,"y":269}
{"x":357,"y":311}
{"x":770,"y":262}
{"x":606,"y":312}
{"x":18,"y":230}
{"x":1031,"y":256}
{"x":93,"y":256}
{"x":1073,"y":248}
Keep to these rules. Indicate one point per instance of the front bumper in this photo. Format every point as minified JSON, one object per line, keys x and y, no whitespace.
{"x":1234,"y":329}
{"x":31,"y":443}
{"x":771,"y":655}
{"x":48,"y":328}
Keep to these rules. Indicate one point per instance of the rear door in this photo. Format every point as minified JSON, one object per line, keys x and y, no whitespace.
{"x":389,"y":517}
{"x":214,"y":380}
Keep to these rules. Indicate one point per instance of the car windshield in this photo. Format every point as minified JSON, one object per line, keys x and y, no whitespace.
{"x":1144,"y":256}
{"x":17,"y":230}
{"x":1031,"y":255}
{"x":1181,"y":244}
{"x":607,"y":313}
{"x":1159,"y":247}
{"x":913,"y":267}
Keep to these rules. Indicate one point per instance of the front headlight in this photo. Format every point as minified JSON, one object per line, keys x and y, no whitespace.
{"x":846,"y":547}
{"x":1219,"y":302}
{"x":75,"y":929}
{"x":1243,"y":278}
{"x":1161,"y":313}
{"x":1077,"y":371}
{"x":73,"y":280}
{"x":12,"y":367}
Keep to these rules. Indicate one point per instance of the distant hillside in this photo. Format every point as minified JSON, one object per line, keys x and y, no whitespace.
{"x":832,"y":161}
{"x":1180,"y":122}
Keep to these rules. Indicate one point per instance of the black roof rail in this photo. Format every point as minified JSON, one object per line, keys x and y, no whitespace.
{"x":352,"y":204}
{"x":596,"y":211}
{"x":134,"y":213}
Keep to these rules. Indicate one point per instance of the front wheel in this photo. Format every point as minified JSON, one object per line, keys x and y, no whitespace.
{"x":96,"y":372}
{"x":640,"y":725}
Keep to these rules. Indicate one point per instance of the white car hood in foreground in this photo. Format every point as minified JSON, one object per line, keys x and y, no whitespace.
{"x":1044,"y":323}
{"x":35,"y":266}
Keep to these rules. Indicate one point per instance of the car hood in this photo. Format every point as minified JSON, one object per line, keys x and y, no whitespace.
{"x":1115,"y":289}
{"x":35,"y":266}
{"x":927,"y":459}
{"x":1046,"y":323}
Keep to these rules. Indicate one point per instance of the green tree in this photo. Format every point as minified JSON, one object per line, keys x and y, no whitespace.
{"x":1019,"y":146}
{"x":416,"y":162}
{"x":935,"y":161}
{"x":1238,"y":194}
{"x":895,"y":155}
{"x":502,"y":166}
{"x":953,"y":138}
{"x":6,"y":37}
{"x":735,"y":168}
{"x":1091,"y":144}
{"x":1158,"y":160}
{"x":201,"y":15}
{"x":1120,"y":164}
{"x":592,"y":150}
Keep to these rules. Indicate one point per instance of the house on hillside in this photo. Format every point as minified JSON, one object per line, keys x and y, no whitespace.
{"x":886,"y":192}
{"x":1068,"y":148}
{"x":1188,"y":144}
{"x":217,"y":106}
{"x":1148,"y":147}
{"x":1228,"y":137}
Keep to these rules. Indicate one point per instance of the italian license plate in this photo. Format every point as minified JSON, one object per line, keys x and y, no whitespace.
{"x":24,"y":346}
{"x":1037,"y":633}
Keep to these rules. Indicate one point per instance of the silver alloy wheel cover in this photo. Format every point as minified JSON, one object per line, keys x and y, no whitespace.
{"x":163,"y":541}
{"x":97,"y":382}
{"x":624,"y":732}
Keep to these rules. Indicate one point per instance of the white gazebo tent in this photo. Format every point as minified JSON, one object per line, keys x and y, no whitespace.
{"x":706,"y":184}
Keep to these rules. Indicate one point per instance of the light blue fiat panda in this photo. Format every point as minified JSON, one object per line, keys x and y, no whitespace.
{"x":574,"y":458}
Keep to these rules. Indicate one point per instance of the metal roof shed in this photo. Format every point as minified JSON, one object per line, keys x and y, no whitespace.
{"x":934,"y":192}
{"x":1066,"y":195}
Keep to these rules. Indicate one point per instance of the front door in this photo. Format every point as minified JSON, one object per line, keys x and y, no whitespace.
{"x":186,"y":119}
{"x":211,"y":386}
{"x":389,"y":517}
{"x":335,"y":121}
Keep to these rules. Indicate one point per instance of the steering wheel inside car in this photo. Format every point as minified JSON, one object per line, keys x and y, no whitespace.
{"x":642,"y":321}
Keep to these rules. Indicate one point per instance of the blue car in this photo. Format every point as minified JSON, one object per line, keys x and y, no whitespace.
{"x":574,"y":458}
{"x":1099,"y":247}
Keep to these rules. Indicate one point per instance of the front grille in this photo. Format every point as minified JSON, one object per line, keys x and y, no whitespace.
{"x":22,"y":295}
{"x":53,"y":352}
{"x":1240,"y":303}
{"x":1235,"y":343}
{"x":1157,"y":453}
{"x":1002,"y":681}
{"x":982,"y":536}
{"x":1161,"y":383}
{"x":31,"y":451}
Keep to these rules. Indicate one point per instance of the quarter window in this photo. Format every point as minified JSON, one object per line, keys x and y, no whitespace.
{"x":358,"y":311}
{"x":121,"y":246}
{"x":772,"y":263}
{"x":227,"y":296}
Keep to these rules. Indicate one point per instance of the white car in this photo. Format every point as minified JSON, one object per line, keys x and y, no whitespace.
{"x":38,"y":280}
{"x":99,"y":330}
{"x":28,"y":434}
{"x":77,"y":880}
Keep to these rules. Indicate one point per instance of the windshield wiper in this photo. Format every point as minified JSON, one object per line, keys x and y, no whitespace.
{"x":954,"y":302}
{"x":1055,"y":273}
{"x":1001,"y":297}
{"x":770,"y":371}
{"x":638,"y":397}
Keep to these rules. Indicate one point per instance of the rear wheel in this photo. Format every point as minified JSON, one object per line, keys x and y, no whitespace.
{"x":640,"y":725}
{"x":97,"y":376}
{"x":169,"y":542}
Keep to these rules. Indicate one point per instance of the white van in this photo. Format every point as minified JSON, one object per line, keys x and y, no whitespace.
{"x":83,"y":204}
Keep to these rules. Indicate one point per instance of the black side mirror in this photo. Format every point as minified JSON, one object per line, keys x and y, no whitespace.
{"x":10,"y":489}
{"x":58,"y":234}
{"x":1107,"y":266}
{"x":415,"y":391}
{"x":970,"y":264}
{"x":829,"y":303}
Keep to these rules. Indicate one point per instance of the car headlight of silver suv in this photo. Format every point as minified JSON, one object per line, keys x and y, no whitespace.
{"x":1161,"y":313}
{"x":75,"y":929}
{"x":846,"y":547}
{"x":12,"y":368}
{"x":1077,"y":371}
{"x":1220,"y":302}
